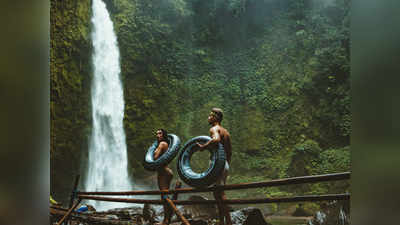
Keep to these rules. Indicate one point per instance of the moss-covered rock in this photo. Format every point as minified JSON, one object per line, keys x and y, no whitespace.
{"x":70,"y":87}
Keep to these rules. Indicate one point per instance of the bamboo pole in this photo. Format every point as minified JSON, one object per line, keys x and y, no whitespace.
{"x":178,"y":185}
{"x":69,"y":212}
{"x":230,"y":202}
{"x":128,"y":200}
{"x":74,"y":192}
{"x":311,"y":198}
{"x":178,"y":214}
{"x":58,"y":207}
{"x":271,"y":183}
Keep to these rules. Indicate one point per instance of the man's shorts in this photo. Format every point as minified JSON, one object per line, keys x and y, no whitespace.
{"x":222,"y":179}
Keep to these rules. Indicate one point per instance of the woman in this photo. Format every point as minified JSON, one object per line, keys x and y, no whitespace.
{"x":164,"y":174}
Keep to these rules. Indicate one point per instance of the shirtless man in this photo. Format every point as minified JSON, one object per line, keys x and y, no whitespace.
{"x":164,"y":174}
{"x":220,"y":135}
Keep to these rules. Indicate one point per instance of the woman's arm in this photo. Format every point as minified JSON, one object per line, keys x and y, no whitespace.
{"x":162,"y":147}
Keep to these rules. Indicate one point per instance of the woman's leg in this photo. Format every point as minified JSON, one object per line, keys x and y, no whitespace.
{"x":164,"y":182}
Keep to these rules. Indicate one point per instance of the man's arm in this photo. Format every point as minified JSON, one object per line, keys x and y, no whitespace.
{"x":162,"y":147}
{"x":215,"y":138}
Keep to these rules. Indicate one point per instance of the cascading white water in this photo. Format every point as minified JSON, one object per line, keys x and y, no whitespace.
{"x":107,"y":168}
{"x":342,"y":217}
{"x":320,"y":217}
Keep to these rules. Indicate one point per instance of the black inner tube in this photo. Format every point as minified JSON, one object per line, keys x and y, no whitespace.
{"x":173,"y":149}
{"x":208,"y":177}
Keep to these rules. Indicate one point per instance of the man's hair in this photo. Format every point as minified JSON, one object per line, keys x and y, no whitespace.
{"x":218,"y":114}
{"x":164,"y":134}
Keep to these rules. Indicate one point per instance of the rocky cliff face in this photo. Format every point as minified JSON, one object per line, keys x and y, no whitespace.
{"x":70,"y":87}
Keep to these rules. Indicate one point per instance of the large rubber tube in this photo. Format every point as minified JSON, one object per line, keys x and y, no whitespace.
{"x":207,"y":177}
{"x":173,"y":148}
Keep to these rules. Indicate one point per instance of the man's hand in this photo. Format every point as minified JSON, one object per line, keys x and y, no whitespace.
{"x":201,"y":147}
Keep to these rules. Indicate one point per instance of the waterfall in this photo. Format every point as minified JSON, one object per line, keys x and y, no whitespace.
{"x":342,"y":217}
{"x":107,"y":163}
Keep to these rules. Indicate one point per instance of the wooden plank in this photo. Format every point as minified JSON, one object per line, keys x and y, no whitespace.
{"x":178,"y":185}
{"x":128,"y":200}
{"x":74,"y":191}
{"x":178,"y":214}
{"x":271,"y":183}
{"x":310,"y":198}
{"x":345,"y":196}
{"x":69,"y":212}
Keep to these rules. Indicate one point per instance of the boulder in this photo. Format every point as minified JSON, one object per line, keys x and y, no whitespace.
{"x":123,"y":213}
{"x":332,"y":213}
{"x":197,"y":222}
{"x":201,"y":210}
{"x":300,"y":211}
{"x":153,"y":213}
{"x":91,"y":208}
{"x":148,"y":212}
{"x":248,"y":216}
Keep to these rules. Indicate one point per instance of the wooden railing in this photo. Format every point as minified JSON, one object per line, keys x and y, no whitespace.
{"x":288,"y":181}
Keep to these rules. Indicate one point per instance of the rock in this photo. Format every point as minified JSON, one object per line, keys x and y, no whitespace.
{"x":155,"y":213}
{"x":125,"y":213}
{"x":248,"y":216}
{"x":137,"y":220}
{"x":112,"y":217}
{"x":148,"y":213}
{"x":290,"y":210}
{"x":203,"y":211}
{"x":332,"y":213}
{"x":159,"y":209}
{"x":128,"y":210}
{"x":300,"y":211}
{"x":118,"y":216}
{"x":197,"y":222}
{"x":186,"y":214}
{"x":91,"y":208}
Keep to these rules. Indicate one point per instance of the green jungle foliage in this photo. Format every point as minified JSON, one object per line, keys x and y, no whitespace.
{"x":69,"y":91}
{"x":278,"y":68}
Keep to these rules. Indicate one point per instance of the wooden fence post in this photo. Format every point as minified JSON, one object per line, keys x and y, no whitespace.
{"x":73,"y":194}
{"x":69,"y":212}
{"x":178,"y":214}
